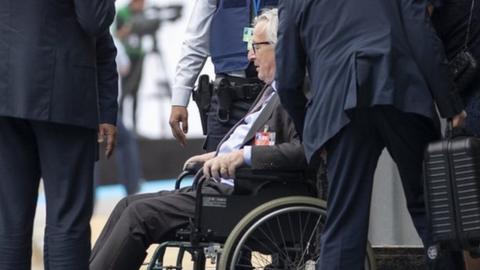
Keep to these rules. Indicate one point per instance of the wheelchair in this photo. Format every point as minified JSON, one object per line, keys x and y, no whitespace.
{"x":276,"y":226}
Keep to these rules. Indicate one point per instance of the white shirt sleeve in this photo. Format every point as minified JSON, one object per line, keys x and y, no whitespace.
{"x":195,"y":51}
{"x":247,"y":155}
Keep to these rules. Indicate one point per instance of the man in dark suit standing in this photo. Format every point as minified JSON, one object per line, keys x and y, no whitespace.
{"x":58,"y":86}
{"x":141,"y":220}
{"x":376,"y":70}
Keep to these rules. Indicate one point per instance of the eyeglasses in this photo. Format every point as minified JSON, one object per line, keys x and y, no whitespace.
{"x":256,"y":45}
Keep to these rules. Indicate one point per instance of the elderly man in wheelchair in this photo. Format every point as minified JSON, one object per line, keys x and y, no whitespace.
{"x":244,"y":211}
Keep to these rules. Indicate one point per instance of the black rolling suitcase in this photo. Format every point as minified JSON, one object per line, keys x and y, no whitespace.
{"x":452,"y":191}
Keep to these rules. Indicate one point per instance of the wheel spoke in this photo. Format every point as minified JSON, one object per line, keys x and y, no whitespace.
{"x":279,"y":226}
{"x":317,"y":225}
{"x":273,"y":242}
{"x":296,"y":250}
{"x":280,"y":235}
{"x":260,"y":243}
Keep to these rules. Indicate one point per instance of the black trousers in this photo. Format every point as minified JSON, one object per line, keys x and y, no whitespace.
{"x":472,"y":107}
{"x":352,"y":159}
{"x":141,"y":220}
{"x":63,"y":156}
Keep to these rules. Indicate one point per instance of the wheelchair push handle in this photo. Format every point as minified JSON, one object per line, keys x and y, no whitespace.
{"x":189,"y":169}
{"x":193,"y":167}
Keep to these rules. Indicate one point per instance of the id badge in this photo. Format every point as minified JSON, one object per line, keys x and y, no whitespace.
{"x":247,"y":36}
{"x":265,"y":137}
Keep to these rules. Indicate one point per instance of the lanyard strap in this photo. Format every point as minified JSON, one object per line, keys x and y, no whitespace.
{"x":467,"y":36}
{"x":256,"y":7}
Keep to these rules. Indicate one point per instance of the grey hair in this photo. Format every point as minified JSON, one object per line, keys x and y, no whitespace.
{"x":270,"y":19}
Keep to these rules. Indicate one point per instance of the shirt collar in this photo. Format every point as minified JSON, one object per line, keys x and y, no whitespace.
{"x":274,"y":86}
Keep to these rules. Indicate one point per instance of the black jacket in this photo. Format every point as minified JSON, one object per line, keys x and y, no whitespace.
{"x":450,"y":19}
{"x":58,"y":61}
{"x":287,"y":153}
{"x":359,"y":53}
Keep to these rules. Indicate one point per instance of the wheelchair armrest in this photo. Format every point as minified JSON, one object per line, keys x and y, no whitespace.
{"x":249,"y":181}
{"x":272,"y":175}
{"x":193,"y":167}
{"x":190,"y":169}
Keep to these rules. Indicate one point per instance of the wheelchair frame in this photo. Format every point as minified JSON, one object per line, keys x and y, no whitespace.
{"x":199,"y":243}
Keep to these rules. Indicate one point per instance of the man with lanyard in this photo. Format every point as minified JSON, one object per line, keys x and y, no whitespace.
{"x":220,"y":29}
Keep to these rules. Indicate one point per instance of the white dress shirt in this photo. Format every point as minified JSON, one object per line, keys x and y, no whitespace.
{"x":236,"y":138}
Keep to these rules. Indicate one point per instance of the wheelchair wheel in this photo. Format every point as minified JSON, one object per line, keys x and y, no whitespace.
{"x":281,"y":234}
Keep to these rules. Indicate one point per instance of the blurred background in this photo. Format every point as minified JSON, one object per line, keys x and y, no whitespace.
{"x":164,"y":23}
{"x":150,"y":32}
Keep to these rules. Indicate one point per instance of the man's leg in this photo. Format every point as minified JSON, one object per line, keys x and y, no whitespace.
{"x":67,"y":154}
{"x":144,"y":222}
{"x":406,"y":136}
{"x":472,"y":107}
{"x":113,"y":219}
{"x":352,"y":158}
{"x":19,"y":179}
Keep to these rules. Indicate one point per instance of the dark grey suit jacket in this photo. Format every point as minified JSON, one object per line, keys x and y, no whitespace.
{"x":287,"y":153}
{"x":358,"y":53}
{"x":52,"y":54}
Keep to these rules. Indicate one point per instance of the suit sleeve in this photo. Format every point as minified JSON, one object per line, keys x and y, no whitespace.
{"x":288,"y":155}
{"x":429,"y":53}
{"x":95,"y":16}
{"x":107,"y":78}
{"x":291,"y":64}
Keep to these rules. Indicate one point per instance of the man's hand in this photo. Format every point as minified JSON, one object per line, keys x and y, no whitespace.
{"x":224,"y":166}
{"x":179,"y":123}
{"x":199,"y":159}
{"x":459,"y":119}
{"x":109,"y":132}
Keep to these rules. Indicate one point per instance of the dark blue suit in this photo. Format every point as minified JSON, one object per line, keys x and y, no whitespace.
{"x":377,"y":68}
{"x":58,"y":81}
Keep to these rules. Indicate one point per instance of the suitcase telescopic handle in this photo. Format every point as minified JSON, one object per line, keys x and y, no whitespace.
{"x":449,"y":130}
